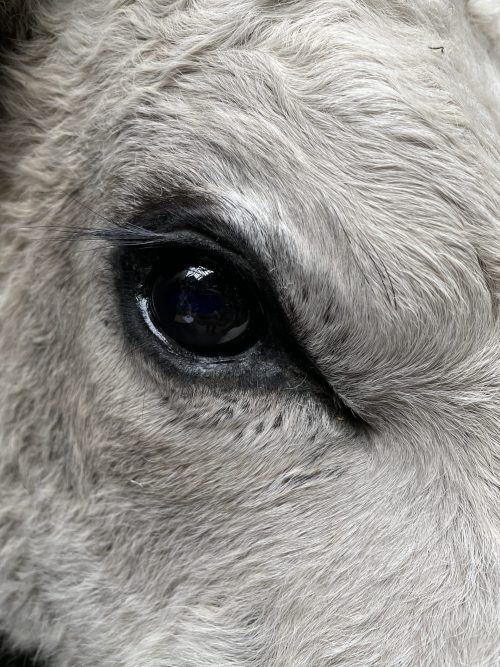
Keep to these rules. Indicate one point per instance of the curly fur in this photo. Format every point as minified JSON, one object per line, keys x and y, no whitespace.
{"x":355,"y":145}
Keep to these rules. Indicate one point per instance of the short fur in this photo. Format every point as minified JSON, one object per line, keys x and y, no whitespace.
{"x":148,"y":523}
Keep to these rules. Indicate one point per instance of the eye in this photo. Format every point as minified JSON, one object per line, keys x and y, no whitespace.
{"x":201,"y":301}
{"x":201,"y":311}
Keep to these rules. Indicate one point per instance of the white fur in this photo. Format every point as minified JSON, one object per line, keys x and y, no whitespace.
{"x":487,"y":14}
{"x":149,"y":522}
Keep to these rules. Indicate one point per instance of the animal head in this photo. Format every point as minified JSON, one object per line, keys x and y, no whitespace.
{"x":250,"y":340}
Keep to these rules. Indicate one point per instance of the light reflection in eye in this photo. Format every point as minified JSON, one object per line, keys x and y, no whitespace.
{"x":198,"y":272}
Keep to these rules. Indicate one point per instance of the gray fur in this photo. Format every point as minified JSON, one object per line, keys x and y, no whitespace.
{"x":147,"y":523}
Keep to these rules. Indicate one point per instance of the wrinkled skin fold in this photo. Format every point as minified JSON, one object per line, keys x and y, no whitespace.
{"x":155,"y":515}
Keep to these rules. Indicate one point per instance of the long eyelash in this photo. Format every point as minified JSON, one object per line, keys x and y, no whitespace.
{"x":129,"y":235}
{"x":117,"y":234}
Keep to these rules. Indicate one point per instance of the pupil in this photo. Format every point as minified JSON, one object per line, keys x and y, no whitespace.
{"x":202,"y":309}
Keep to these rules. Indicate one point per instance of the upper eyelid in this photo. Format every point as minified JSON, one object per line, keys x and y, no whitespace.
{"x":152,"y":224}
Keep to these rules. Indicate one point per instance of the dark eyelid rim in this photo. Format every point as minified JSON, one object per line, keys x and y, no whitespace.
{"x":162,"y":221}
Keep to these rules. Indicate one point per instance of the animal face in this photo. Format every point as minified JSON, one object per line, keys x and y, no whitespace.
{"x":250,"y":333}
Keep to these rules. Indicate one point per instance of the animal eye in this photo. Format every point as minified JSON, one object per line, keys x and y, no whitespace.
{"x":200,"y":301}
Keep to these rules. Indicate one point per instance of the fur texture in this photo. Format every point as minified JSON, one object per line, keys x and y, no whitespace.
{"x":146,"y":521}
